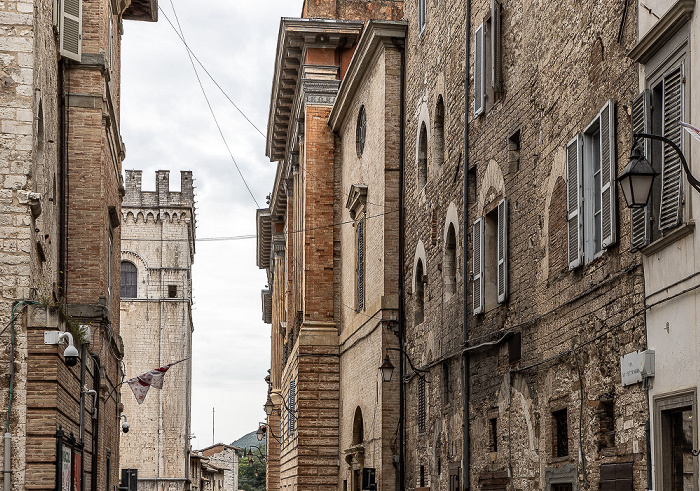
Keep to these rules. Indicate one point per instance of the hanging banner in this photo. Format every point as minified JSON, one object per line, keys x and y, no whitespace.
{"x":66,"y":461}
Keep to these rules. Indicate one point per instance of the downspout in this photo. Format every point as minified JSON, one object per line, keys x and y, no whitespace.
{"x":400,"y":46}
{"x":466,"y":460}
{"x":95,"y":424}
{"x":63,"y":187}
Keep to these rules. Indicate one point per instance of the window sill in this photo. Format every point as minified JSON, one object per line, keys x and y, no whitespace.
{"x":668,"y":239}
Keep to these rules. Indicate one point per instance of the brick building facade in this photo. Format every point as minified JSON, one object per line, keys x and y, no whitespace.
{"x":60,"y":168}
{"x":158,"y":246}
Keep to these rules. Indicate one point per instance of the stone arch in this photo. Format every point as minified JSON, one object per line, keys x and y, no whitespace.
{"x":358,"y":428}
{"x":423,"y":123}
{"x":439,"y":134}
{"x":419,"y":270}
{"x":141,"y":271}
{"x":492,"y":183}
{"x":557,"y":174}
{"x":422,"y":169}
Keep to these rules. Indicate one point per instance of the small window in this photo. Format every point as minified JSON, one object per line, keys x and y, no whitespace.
{"x":446,"y":389}
{"x":129,"y":276}
{"x":422,"y":476}
{"x":493,"y":434}
{"x":514,"y":152}
{"x":361,"y":131}
{"x":421,"y":404}
{"x":422,"y":157}
{"x":358,"y":432}
{"x":560,"y":433}
{"x":439,"y":134}
{"x":419,"y":303}
{"x":450,"y":262}
{"x":172,"y":291}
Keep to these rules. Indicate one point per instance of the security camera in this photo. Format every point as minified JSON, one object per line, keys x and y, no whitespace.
{"x":70,"y":354}
{"x":125,"y":424}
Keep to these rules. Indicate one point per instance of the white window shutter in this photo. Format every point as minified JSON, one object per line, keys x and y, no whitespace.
{"x":502,"y":250}
{"x":71,"y":29}
{"x":608,"y":171}
{"x":672,"y":174}
{"x":641,"y":123}
{"x":573,"y":202}
{"x":478,"y":265}
{"x":479,"y":69}
{"x":496,"y":65}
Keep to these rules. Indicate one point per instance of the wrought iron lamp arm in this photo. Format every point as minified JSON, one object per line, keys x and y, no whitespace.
{"x":417,"y":370}
{"x":691,"y":178}
{"x":283,"y":401}
{"x":269,"y":429}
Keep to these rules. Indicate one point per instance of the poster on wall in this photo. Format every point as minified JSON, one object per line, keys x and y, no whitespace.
{"x":77,"y":464}
{"x":66,"y":461}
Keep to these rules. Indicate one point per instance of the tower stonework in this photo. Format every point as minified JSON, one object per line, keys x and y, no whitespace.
{"x":156,"y":306}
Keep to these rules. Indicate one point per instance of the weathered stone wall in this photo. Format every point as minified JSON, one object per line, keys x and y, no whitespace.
{"x":434,"y":71}
{"x":224,"y":457}
{"x":353,"y":9}
{"x":158,"y":238}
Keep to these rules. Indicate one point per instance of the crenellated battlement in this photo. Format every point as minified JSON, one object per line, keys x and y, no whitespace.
{"x":162,"y":197}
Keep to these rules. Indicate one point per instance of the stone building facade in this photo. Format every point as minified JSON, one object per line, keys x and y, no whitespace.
{"x":60,"y":195}
{"x":224,"y":457}
{"x":158,"y":246}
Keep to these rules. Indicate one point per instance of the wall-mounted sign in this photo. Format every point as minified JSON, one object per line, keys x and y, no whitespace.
{"x":69,"y":462}
{"x":66,"y":467}
{"x":636,"y":366}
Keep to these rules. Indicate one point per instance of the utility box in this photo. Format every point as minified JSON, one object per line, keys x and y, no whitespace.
{"x":647,"y":361}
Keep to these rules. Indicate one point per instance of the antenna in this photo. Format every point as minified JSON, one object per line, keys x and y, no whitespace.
{"x":213,"y":442}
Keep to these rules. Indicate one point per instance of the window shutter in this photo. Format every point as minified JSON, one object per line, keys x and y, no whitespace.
{"x":608,"y":174}
{"x":502,"y":250}
{"x":421,"y":404}
{"x":478,"y":265}
{"x":71,"y":29}
{"x":360,"y":258}
{"x":479,"y":69}
{"x":292,"y":406}
{"x":672,"y":174}
{"x":573,"y":202}
{"x":641,"y":123}
{"x":496,"y":66}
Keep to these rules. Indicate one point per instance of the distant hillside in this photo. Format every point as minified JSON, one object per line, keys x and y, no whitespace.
{"x":249,"y":440}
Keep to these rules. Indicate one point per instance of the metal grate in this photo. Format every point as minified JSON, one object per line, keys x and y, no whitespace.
{"x":360,"y":277}
{"x":361,"y":131}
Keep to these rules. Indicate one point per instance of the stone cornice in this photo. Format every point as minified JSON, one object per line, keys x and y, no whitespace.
{"x":295,"y":36}
{"x":264,"y":238}
{"x":378,"y":34}
{"x":680,"y":13}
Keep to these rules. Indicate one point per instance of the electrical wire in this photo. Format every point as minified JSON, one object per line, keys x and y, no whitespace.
{"x":211,"y":109}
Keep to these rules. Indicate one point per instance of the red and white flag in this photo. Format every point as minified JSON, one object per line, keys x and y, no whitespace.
{"x":154,"y":378}
{"x":692,"y":130}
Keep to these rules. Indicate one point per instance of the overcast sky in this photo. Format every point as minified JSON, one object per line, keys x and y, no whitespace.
{"x":166,"y":124}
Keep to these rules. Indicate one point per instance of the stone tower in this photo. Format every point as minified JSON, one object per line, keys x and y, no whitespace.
{"x":156,"y":309}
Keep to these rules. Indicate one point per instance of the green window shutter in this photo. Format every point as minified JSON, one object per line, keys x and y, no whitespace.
{"x":502,"y":252}
{"x":672,"y":174}
{"x":608,"y":174}
{"x":574,"y":193}
{"x":639,"y":217}
{"x":478,"y":265}
{"x":479,"y":69}
{"x":71,"y":29}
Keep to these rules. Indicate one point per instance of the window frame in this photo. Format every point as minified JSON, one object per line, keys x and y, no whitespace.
{"x":135,"y":272}
{"x":664,"y":403}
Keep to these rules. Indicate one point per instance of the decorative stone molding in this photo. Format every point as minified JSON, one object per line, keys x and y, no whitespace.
{"x":357,"y":199}
{"x":663,"y":30}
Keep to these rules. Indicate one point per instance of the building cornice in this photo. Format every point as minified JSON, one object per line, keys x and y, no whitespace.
{"x":378,"y":34}
{"x":680,"y":13}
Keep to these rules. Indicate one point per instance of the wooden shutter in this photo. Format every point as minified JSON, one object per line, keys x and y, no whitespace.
{"x":479,"y":69}
{"x":573,"y":202}
{"x":502,"y":250}
{"x":71,"y":29}
{"x":672,"y":173}
{"x":641,"y":123}
{"x":292,"y":406}
{"x":608,"y":174}
{"x":496,"y":64}
{"x":360,"y":259}
{"x":478,"y":265}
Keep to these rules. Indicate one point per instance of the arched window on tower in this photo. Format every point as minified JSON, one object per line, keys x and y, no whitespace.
{"x":439,"y":134}
{"x":450,"y":268}
{"x":419,"y":306}
{"x":129,"y":280}
{"x":422,"y":156}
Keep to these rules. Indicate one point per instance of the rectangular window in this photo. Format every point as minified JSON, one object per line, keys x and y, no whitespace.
{"x":493,"y":434}
{"x":490,"y":259}
{"x":560,"y":433}
{"x":446,"y":382}
{"x":172,"y":291}
{"x":590,"y":167}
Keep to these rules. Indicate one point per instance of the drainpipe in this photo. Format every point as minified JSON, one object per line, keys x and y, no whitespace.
{"x":400,"y":45}
{"x":466,"y":460}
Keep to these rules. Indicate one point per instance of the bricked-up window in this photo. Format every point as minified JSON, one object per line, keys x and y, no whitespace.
{"x":422,"y":157}
{"x":360,"y":264}
{"x":450,"y":264}
{"x":172,"y":291}
{"x":422,"y":15}
{"x":419,"y":304}
{"x":129,"y":279}
{"x":421,"y":404}
{"x":560,"y":433}
{"x":659,"y":110}
{"x":439,"y":134}
{"x":490,"y":259}
{"x":590,"y":174}
{"x":360,"y":131}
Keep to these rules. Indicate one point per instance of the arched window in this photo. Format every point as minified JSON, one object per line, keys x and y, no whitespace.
{"x":450,"y":268}
{"x":422,"y":156}
{"x":439,"y":134}
{"x":358,"y":431}
{"x":129,"y":278}
{"x":419,"y":308}
{"x":361,"y":131}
